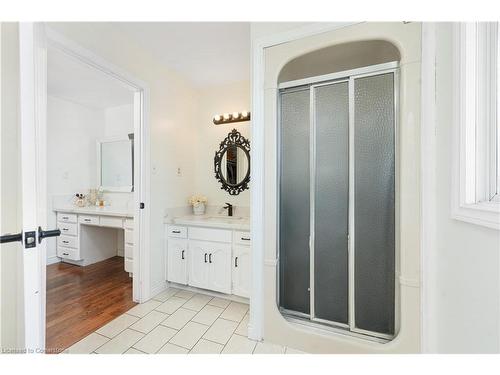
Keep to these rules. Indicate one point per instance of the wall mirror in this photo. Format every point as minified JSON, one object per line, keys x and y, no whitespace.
{"x":115,"y":164}
{"x":232,"y":163}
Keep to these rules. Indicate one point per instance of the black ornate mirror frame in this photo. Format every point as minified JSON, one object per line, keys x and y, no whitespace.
{"x":233,"y":139}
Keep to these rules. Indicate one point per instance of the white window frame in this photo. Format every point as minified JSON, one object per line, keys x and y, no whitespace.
{"x":476,"y":184}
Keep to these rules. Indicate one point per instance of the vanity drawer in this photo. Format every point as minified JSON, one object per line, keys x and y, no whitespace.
{"x":241,"y":238}
{"x":129,"y":236}
{"x":178,"y":232}
{"x":129,"y":251}
{"x":209,"y":234}
{"x":67,"y":241}
{"x":88,"y":219}
{"x":70,"y":229}
{"x":129,"y":223}
{"x":129,"y":265}
{"x":66,"y":218}
{"x":113,"y":222}
{"x":68,"y":253}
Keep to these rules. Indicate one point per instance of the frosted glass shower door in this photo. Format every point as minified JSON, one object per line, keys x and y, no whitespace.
{"x":331,"y":202}
{"x":294,"y":204}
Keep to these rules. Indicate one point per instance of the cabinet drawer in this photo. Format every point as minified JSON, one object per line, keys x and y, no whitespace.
{"x":129,"y":265}
{"x":129,"y":236}
{"x":178,"y":232}
{"x":67,"y":241}
{"x":129,"y":251}
{"x":68,"y":253}
{"x":88,"y":219}
{"x":113,"y":222}
{"x":70,"y":229}
{"x":66,"y":218}
{"x":129,"y":223}
{"x":209,"y":234}
{"x":241,"y":238}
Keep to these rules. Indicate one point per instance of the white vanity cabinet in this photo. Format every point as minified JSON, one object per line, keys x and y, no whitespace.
{"x":81,"y":245}
{"x":204,"y":258}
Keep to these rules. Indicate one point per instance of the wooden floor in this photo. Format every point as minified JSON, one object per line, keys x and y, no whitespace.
{"x":82,"y":299}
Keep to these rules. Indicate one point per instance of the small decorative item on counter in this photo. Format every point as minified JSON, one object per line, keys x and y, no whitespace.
{"x":92,"y":197}
{"x":198,"y":202}
{"x":79,"y":200}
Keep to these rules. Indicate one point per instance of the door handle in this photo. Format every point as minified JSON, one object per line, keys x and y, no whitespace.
{"x":235,"y":262}
{"x":205,"y":257}
{"x":182,"y":254}
{"x":210,"y":258}
{"x":47,"y":233}
{"x":11,"y":238}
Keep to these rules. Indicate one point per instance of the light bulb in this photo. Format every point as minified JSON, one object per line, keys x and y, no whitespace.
{"x":226,"y":116}
{"x":244,"y":114}
{"x":217,"y":118}
{"x":236,"y":115}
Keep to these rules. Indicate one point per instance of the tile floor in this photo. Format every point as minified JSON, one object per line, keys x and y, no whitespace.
{"x":178,"y":322}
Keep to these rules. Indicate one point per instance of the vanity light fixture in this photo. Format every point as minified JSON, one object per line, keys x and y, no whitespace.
{"x":228,"y":118}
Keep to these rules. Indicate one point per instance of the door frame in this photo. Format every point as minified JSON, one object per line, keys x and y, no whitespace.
{"x":40,"y":37}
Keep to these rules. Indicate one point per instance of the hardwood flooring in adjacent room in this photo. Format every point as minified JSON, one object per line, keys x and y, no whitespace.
{"x":82,"y":299}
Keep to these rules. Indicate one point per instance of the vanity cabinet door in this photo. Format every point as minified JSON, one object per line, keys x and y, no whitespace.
{"x":177,"y":261}
{"x":241,"y":271}
{"x":198,"y":263}
{"x":219,"y":260}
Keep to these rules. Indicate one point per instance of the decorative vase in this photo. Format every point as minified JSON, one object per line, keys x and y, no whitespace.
{"x":199,"y":209}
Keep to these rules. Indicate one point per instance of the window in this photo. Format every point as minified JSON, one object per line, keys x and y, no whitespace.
{"x":476,"y":195}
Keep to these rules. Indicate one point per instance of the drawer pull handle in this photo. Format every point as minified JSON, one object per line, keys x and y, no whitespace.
{"x":236,"y":262}
{"x":245,"y":239}
{"x":65,"y":217}
{"x":182,"y":254}
{"x":65,"y":229}
{"x":65,"y":241}
{"x":87,"y":220}
{"x":210,"y":258}
{"x":65,"y":254}
{"x":205,"y":257}
{"x":176,"y":231}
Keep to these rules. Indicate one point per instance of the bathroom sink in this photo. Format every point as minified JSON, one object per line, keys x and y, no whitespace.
{"x":223,"y":218}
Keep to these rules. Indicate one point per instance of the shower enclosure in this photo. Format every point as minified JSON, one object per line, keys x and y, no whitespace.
{"x":337,"y":200}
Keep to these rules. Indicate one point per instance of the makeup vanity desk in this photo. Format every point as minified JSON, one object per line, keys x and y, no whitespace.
{"x":92,"y":234}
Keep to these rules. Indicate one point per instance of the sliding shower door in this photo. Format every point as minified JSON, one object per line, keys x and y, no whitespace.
{"x":337,"y":202}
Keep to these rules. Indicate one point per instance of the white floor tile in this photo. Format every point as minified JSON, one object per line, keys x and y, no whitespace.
{"x":179,"y":318}
{"x":188,"y":336}
{"x":197,"y":302}
{"x":208,"y":315}
{"x":239,"y":345}
{"x":186,"y":294}
{"x":87,"y":345}
{"x":172,"y":349}
{"x":206,"y":347}
{"x":120,"y":343}
{"x":235,"y":311}
{"x":155,"y":339}
{"x":149,"y":322}
{"x":243,"y":326}
{"x":268,"y":348}
{"x":133,"y":351}
{"x":171,"y":304}
{"x":220,"y":302}
{"x":117,"y":325}
{"x":220,"y":331}
{"x":293,"y":351}
{"x":143,"y":309}
{"x":166,"y":294}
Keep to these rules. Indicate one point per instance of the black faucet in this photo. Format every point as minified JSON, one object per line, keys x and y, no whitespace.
{"x":229,"y":209}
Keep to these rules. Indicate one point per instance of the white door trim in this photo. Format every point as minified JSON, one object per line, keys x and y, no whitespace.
{"x":256,"y":325}
{"x":428,"y":180}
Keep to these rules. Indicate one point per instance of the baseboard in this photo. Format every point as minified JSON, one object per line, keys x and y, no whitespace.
{"x":53,"y":260}
{"x":157,"y":289}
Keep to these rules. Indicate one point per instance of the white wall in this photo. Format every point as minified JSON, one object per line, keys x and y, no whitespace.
{"x":119,"y":120}
{"x":211,"y":101}
{"x":464,"y":270}
{"x":172,"y":120}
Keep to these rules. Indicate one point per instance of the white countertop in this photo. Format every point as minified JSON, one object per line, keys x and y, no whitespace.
{"x":213,"y":221}
{"x":94,"y":210}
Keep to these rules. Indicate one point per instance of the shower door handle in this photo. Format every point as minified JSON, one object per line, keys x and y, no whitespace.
{"x":47,"y":233}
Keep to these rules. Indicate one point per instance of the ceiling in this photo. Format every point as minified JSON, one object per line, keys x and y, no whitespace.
{"x":206,"y":53}
{"x":72,"y":80}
